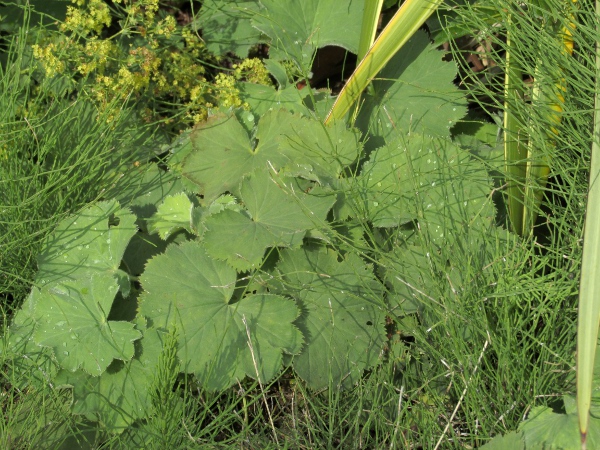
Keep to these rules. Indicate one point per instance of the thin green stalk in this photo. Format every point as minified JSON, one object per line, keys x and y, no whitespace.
{"x":514,"y":148}
{"x":547,"y":95}
{"x":589,"y":288}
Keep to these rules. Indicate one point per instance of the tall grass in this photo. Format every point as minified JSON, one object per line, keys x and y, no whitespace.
{"x":57,"y":152}
{"x":550,"y":106}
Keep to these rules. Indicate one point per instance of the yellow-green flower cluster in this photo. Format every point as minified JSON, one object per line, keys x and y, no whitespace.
{"x":96,"y":55}
{"x":227,"y":92}
{"x":151,"y":56}
{"x":89,"y":20}
{"x":252,"y":70}
{"x":53,"y":65}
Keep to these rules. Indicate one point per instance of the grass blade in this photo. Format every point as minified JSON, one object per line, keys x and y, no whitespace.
{"x":409,"y":18}
{"x":589,"y":288}
{"x":369,"y":26}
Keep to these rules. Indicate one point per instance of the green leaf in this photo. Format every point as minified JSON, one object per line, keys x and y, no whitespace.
{"x":428,"y":179}
{"x":277,"y":214}
{"x":121,"y":394}
{"x":512,"y":440}
{"x":415,"y":92}
{"x":187,"y":289}
{"x":144,"y":188}
{"x":92,"y":241}
{"x":226,"y":26}
{"x":223,"y":152}
{"x":176,"y":213}
{"x":262,"y":98}
{"x":279,"y":73}
{"x":342,"y":321}
{"x":298,"y":29}
{"x":321,"y":152}
{"x":548,"y":430}
{"x":409,"y":275}
{"x":144,"y":246}
{"x":72,"y":318}
{"x":27,"y":364}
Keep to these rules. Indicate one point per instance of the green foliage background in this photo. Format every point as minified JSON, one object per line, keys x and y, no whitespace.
{"x":351,"y":286}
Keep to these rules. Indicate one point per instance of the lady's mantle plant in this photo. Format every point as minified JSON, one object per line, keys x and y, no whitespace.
{"x":255,"y":247}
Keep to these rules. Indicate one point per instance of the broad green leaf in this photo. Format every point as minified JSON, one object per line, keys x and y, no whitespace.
{"x":320,"y":152}
{"x":262,"y":98}
{"x":549,"y":430}
{"x":512,"y":441}
{"x":92,"y":241}
{"x":428,"y":179}
{"x":415,"y":92}
{"x":121,"y":394}
{"x":224,"y":152}
{"x":236,"y":238}
{"x":144,"y":188}
{"x":410,"y":276}
{"x":187,"y":289}
{"x":395,"y":176}
{"x":460,"y":202}
{"x":27,"y":364}
{"x":297,"y":29}
{"x":144,"y":246}
{"x":226,"y":26}
{"x":72,"y":319}
{"x":341,"y":319}
{"x":276,"y":215}
{"x":278,"y":72}
{"x":176,"y":213}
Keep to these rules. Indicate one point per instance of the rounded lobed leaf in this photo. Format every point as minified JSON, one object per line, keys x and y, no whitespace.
{"x":121,"y":394}
{"x":219,"y":341}
{"x":72,"y":319}
{"x":175,"y":213}
{"x":415,"y":92}
{"x":342,"y":322}
{"x":92,"y":241}
{"x":223,"y":152}
{"x":278,"y":214}
{"x":426,"y":179}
